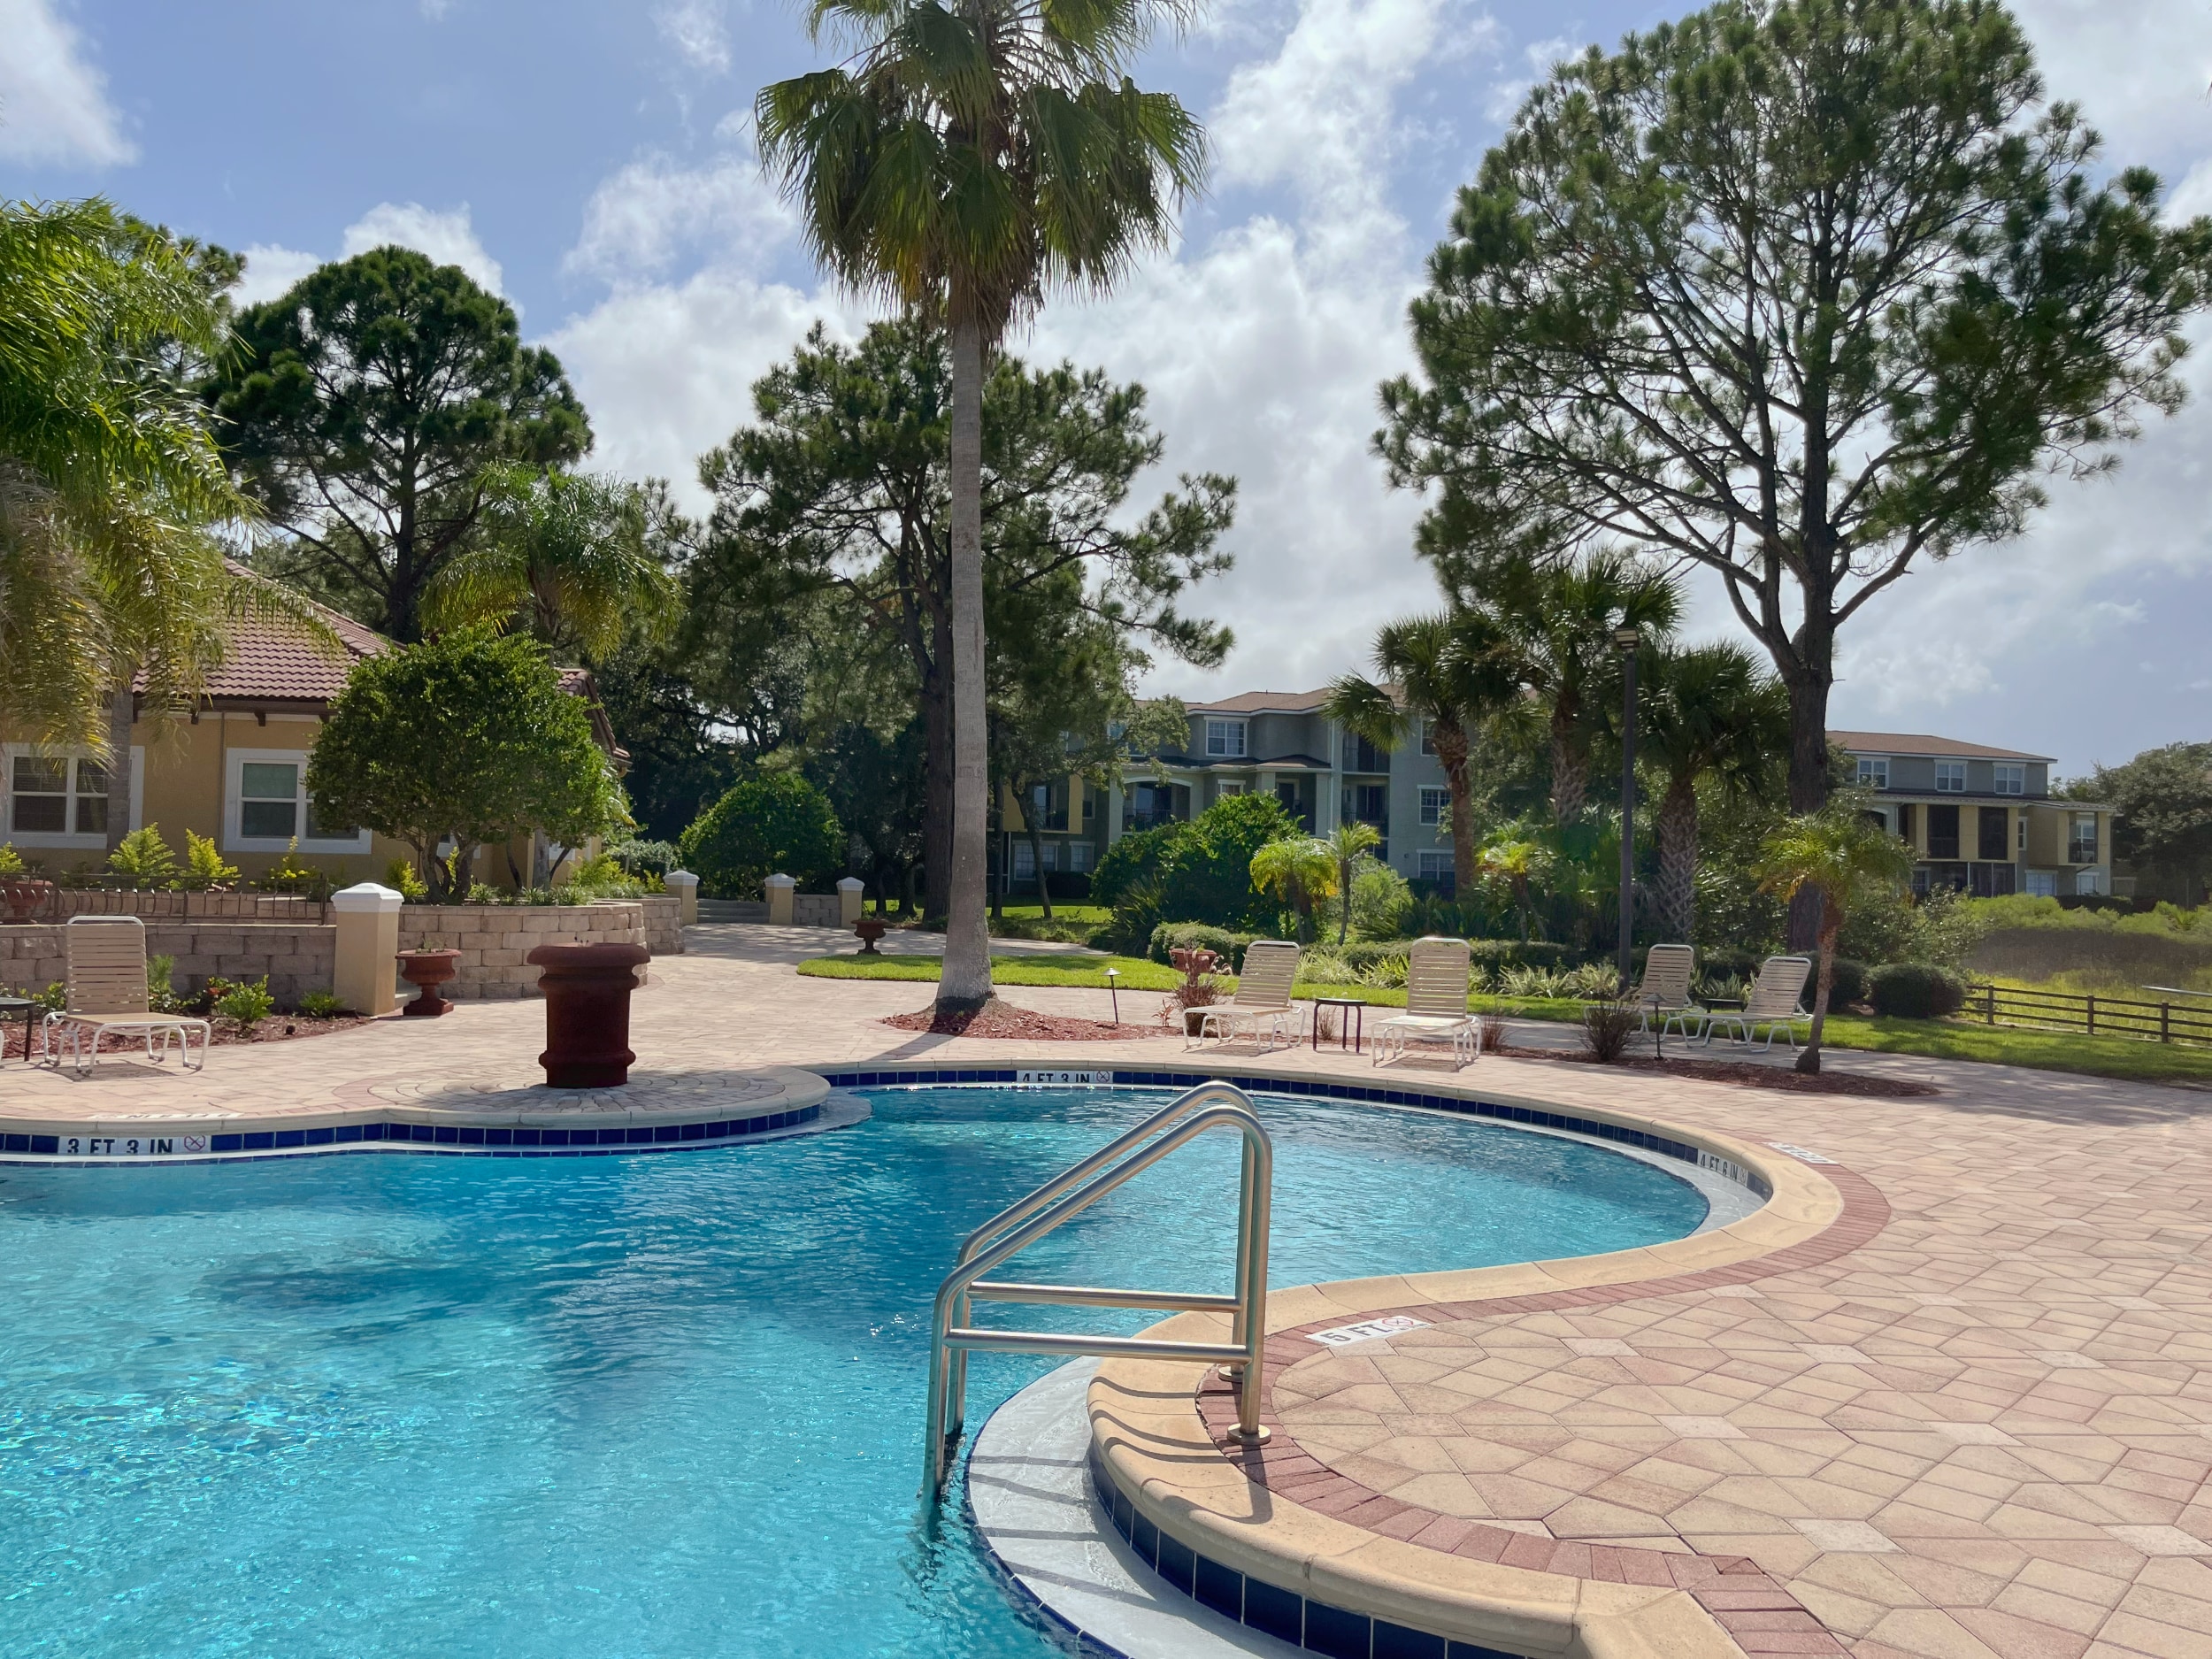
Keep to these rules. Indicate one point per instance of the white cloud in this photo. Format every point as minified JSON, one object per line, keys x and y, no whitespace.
{"x":638,"y":221}
{"x":448,"y":238}
{"x":696,"y":29}
{"x":53,"y":103}
{"x":270,"y":271}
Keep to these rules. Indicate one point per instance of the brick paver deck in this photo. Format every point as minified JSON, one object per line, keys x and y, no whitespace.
{"x":1976,"y":1423}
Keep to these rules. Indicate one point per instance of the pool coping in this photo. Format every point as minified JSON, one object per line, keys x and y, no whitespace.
{"x":357,"y":1121}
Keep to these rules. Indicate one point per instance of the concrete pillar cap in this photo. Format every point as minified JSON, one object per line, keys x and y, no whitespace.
{"x":365,"y":897}
{"x":851,"y":884}
{"x":679,"y":878}
{"x":780,"y":880}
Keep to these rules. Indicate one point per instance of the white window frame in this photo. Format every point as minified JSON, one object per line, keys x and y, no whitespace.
{"x":1950,"y":777}
{"x":1079,"y":857}
{"x":1436,"y":805}
{"x":2041,"y":883}
{"x":2009,"y":777}
{"x":1228,"y":788}
{"x":1429,"y":865}
{"x":1226,"y":730}
{"x":1428,"y":736}
{"x":1873,"y":772}
{"x":66,"y":840}
{"x":1025,"y":860}
{"x":234,"y":838}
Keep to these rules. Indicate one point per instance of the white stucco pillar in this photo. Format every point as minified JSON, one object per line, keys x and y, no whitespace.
{"x":848,"y":892}
{"x":364,"y":965}
{"x":684,"y":885}
{"x":780,"y":889}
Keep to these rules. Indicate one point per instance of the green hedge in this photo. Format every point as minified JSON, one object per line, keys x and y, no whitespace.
{"x":1916,"y":990}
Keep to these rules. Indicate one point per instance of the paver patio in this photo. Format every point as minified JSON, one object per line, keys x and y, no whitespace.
{"x":1982,"y":1428}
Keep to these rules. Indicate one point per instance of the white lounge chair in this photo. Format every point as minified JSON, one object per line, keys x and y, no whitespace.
{"x":107,"y":992}
{"x":1263,"y":996}
{"x":1668,"y":972}
{"x":1438,"y":972}
{"x":1773,"y":1001}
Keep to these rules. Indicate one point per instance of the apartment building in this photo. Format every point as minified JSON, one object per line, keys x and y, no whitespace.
{"x":1257,"y":742}
{"x":1981,"y":819}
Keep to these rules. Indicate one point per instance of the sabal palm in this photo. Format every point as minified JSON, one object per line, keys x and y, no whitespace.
{"x":1348,"y":844}
{"x":111,"y":488}
{"x":570,"y":553}
{"x":1549,"y":625}
{"x":1299,"y":871}
{"x":1840,"y":852}
{"x":1433,"y":669}
{"x":963,"y":161}
{"x":1518,"y":863}
{"x":1709,"y":711}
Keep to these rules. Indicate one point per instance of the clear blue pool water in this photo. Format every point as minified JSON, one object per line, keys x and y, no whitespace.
{"x":591,"y":1409}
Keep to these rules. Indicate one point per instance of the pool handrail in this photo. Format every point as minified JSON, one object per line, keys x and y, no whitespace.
{"x":1209,"y":1106}
{"x":1182,"y":1107}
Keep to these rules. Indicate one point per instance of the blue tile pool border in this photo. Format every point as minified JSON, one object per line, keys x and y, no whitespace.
{"x":1303,"y":1621}
{"x":1533,"y":1118}
{"x":433,"y":1140}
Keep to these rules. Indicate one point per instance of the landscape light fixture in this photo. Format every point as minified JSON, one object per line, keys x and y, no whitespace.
{"x":1113,"y":989}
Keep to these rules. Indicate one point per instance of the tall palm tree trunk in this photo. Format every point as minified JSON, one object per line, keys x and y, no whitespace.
{"x":1569,"y":766}
{"x":1450,"y":739}
{"x":121,"y":706}
{"x":1677,"y":830}
{"x":966,"y":981}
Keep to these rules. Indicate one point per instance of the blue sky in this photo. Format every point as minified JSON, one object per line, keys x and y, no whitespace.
{"x":594,"y":163}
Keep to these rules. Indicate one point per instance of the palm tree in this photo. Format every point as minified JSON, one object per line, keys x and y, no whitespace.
{"x":110,"y":488}
{"x":1549,"y":625}
{"x":1709,"y":712}
{"x":1516,"y":863}
{"x":1348,"y":844}
{"x":1839,"y":852}
{"x":573,"y":554}
{"x":1300,"y":872}
{"x":1436,"y":671}
{"x":965,"y":159}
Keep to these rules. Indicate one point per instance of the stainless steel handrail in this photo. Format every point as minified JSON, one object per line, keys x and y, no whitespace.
{"x":1209,"y":1106}
{"x":1182,"y":1107}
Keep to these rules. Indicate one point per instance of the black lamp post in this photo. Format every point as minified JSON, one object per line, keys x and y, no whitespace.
{"x":1625,"y":639}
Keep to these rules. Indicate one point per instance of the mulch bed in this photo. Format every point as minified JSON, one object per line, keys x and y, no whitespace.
{"x":1744,"y":1073}
{"x":1000,"y":1019}
{"x":276,"y":1028}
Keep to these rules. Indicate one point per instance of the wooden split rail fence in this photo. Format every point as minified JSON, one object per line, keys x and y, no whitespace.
{"x":2094,"y":1015}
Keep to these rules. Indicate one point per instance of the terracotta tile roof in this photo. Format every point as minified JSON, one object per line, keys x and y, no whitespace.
{"x":1920,"y":743}
{"x":279,"y":662}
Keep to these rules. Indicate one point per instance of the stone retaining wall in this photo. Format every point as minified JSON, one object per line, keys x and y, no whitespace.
{"x":816,"y":910}
{"x":494,"y":939}
{"x":298,"y":959}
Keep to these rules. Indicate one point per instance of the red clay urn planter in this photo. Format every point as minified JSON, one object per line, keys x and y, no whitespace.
{"x":868,"y":929}
{"x":425,"y":971}
{"x":588,"y":1012}
{"x":25,"y":896}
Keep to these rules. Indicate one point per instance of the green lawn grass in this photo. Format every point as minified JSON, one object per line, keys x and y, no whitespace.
{"x":2120,"y":1058}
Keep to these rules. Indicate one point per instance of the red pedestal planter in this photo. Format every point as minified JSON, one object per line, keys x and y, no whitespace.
{"x":588,"y":1012}
{"x":426,"y":971}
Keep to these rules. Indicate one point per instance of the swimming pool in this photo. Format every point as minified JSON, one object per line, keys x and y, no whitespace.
{"x":666,"y":1405}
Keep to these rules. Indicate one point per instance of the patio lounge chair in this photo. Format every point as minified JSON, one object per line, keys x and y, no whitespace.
{"x":1437,"y":975}
{"x":1262,"y":998}
{"x":107,"y":992}
{"x":1772,"y":1002}
{"x":1667,"y":970}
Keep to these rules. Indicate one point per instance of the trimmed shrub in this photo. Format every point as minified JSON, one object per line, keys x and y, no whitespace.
{"x":1198,"y":871}
{"x":777,"y":823}
{"x":1847,"y":984}
{"x":1170,"y":936}
{"x":1916,"y":990}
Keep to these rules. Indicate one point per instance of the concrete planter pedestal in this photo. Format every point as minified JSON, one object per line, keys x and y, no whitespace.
{"x":588,"y":1012}
{"x":426,"y":971}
